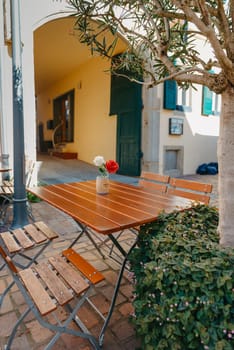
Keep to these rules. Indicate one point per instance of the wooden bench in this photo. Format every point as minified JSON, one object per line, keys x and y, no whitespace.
{"x":197,"y":191}
{"x":47,"y":286}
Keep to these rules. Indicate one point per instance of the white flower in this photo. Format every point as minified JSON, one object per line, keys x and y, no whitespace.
{"x":99,"y":161}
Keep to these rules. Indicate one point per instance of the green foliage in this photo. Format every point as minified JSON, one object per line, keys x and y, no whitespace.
{"x":184,"y":283}
{"x":158,"y":33}
{"x":32,"y":197}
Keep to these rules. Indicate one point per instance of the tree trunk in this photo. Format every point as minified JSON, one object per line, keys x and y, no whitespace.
{"x":226,"y":169}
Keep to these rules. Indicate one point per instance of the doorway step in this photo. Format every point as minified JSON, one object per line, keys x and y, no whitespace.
{"x":65,"y":155}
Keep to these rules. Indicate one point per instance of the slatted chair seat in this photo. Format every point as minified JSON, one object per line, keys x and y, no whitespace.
{"x":25,"y":245}
{"x":53,"y":284}
{"x":194,"y":190}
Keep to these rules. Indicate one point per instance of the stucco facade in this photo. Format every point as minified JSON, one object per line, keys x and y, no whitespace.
{"x":94,"y":130}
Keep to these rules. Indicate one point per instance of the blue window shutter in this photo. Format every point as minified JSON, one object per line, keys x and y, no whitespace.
{"x":207,"y":99}
{"x":170,"y":94}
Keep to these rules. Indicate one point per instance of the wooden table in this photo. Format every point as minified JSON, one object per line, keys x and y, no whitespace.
{"x":126,"y":206}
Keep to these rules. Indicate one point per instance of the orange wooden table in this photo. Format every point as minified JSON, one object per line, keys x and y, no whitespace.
{"x":126,"y":206}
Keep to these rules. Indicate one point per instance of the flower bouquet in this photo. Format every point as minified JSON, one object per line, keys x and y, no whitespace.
{"x":105,"y":168}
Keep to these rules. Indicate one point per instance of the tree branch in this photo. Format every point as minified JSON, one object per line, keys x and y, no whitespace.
{"x":208,"y":31}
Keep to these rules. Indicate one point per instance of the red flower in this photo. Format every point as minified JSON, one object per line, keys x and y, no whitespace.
{"x":111,"y":166}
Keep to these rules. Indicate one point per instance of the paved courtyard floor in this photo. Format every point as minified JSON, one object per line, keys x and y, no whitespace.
{"x":120,"y":334}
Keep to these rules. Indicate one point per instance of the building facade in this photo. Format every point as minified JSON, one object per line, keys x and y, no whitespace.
{"x":72,"y":105}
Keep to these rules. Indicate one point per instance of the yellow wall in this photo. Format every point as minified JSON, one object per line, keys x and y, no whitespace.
{"x":95,"y":131}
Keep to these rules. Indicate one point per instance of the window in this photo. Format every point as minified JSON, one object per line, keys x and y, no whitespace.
{"x":216,"y":104}
{"x":176,"y":98}
{"x":211,"y":102}
{"x":64,"y":117}
{"x":183,"y":99}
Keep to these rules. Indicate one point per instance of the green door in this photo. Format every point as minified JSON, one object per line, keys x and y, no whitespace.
{"x":126,"y":102}
{"x":129,"y":143}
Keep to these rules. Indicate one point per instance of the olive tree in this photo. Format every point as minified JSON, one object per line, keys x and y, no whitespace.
{"x":161,"y":36}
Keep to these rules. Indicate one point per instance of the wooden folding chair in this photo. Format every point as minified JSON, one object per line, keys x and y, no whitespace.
{"x":64,"y":281}
{"x":25,"y":245}
{"x":196,"y":191}
{"x":153,"y":181}
{"x":7,"y":190}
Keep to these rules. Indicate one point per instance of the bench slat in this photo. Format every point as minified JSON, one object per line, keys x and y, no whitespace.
{"x":72,"y":277}
{"x":54,"y":283}
{"x":40,"y":297}
{"x":46,"y":230}
{"x":10,"y":242}
{"x":35,"y":233}
{"x":83,"y":266}
{"x":22,"y":238}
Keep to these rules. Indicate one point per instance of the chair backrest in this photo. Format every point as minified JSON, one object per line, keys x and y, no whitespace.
{"x":32,"y":168}
{"x":153,"y":181}
{"x":197,"y":191}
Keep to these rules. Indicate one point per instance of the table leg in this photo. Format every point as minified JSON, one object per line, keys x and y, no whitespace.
{"x":118,"y":246}
{"x":115,"y":294}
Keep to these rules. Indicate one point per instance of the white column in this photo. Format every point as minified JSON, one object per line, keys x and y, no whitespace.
{"x":151,"y":130}
{"x":3,"y":130}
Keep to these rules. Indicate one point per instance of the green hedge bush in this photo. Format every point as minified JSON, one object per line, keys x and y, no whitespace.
{"x":184,"y":283}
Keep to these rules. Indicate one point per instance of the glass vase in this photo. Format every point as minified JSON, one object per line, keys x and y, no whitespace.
{"x":102,"y":184}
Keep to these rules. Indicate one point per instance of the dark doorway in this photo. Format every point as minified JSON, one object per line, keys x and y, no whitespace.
{"x":64,"y":118}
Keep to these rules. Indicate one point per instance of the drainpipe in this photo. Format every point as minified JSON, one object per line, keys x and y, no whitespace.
{"x":20,"y":217}
{"x":3,"y":142}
